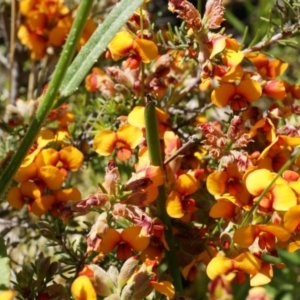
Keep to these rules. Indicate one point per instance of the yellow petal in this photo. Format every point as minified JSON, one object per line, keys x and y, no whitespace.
{"x":136,"y":117}
{"x":222,"y":209}
{"x":131,"y":235}
{"x":248,"y":263}
{"x":15,"y":198}
{"x":51,"y":176}
{"x":174,"y":205}
{"x":120,"y":45}
{"x":232,"y":58}
{"x":82,"y":289}
{"x":187,"y":184}
{"x":7,"y":295}
{"x":245,"y":236}
{"x":291,"y":218}
{"x":258,"y":180}
{"x":218,"y":266}
{"x":147,"y":50}
{"x":264,"y":276}
{"x":292,"y":247}
{"x":71,"y":158}
{"x":47,"y":157}
{"x":216,"y":183}
{"x":250,"y":89}
{"x":109,"y":241}
{"x":164,"y":287}
{"x":283,"y":197}
{"x":41,"y":205}
{"x":44,"y":137}
{"x":30,"y":190}
{"x":26,"y":173}
{"x":222,"y":94}
{"x":105,"y":142}
{"x":130,"y":135}
{"x":71,"y":194}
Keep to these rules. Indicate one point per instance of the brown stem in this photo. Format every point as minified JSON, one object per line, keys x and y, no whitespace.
{"x":274,"y":39}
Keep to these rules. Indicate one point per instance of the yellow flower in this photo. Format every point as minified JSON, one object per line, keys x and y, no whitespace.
{"x":124,"y":43}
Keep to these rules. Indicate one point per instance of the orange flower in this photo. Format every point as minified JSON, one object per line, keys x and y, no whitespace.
{"x":124,"y":140}
{"x":178,"y":203}
{"x":238,"y":96}
{"x":267,"y":68}
{"x":276,"y":89}
{"x":231,"y":55}
{"x":123,"y":44}
{"x":228,"y":185}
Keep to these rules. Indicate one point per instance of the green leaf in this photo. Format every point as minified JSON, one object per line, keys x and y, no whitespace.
{"x":4,"y":266}
{"x":96,"y":45}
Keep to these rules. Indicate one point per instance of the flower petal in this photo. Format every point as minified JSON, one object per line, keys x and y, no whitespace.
{"x":147,"y":50}
{"x":264,"y":276}
{"x":51,"y":176}
{"x":105,"y":142}
{"x":71,"y":158}
{"x":245,"y":236}
{"x":283,"y":197}
{"x":71,"y":194}
{"x":14,"y":198}
{"x":222,"y":94}
{"x":30,"y":189}
{"x":258,"y":180}
{"x":82,"y":289}
{"x":41,"y":205}
{"x":218,"y":266}
{"x":120,"y":45}
{"x":174,"y":205}
{"x":277,"y":230}
{"x":130,"y":135}
{"x":250,"y":89}
{"x":216,"y":183}
{"x":164,"y":287}
{"x":222,"y":209}
{"x":248,"y":263}
{"x":131,"y":235}
{"x":291,"y":219}
{"x":47,"y":157}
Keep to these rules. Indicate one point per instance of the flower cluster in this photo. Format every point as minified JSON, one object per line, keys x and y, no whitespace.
{"x":47,"y":23}
{"x":212,"y":173}
{"x":40,"y":178}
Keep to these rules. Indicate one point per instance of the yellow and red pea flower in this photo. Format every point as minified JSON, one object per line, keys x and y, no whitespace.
{"x":280,"y":196}
{"x":238,"y":96}
{"x":178,"y":204}
{"x":125,"y":139}
{"x":267,"y":68}
{"x":124,"y":44}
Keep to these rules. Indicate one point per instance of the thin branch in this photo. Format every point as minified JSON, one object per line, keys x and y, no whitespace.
{"x":274,"y":39}
{"x":12,"y":45}
{"x":192,"y":140}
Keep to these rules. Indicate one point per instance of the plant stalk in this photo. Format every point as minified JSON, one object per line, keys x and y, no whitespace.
{"x":154,"y":150}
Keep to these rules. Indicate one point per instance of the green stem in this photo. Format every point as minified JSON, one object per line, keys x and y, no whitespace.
{"x":50,"y":95}
{"x":154,"y":150}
